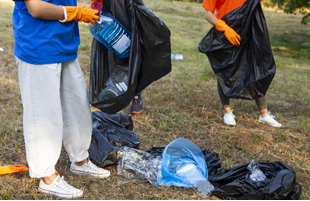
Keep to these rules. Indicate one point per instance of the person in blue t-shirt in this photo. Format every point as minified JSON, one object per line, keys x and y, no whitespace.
{"x":53,"y":90}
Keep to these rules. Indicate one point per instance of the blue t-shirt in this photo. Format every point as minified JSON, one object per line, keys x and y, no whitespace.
{"x":39,"y":41}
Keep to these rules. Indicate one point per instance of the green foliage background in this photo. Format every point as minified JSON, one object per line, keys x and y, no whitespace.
{"x":294,"y":6}
{"x":288,"y":6}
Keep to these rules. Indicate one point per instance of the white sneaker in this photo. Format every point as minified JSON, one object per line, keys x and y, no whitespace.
{"x":60,"y":188}
{"x":89,"y":169}
{"x":229,"y":118}
{"x":270,"y":120}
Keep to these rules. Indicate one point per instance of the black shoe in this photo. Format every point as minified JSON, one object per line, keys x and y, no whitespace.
{"x":137,"y":105}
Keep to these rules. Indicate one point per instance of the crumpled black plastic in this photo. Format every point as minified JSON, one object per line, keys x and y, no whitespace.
{"x":235,"y":184}
{"x":149,"y":58}
{"x":110,"y":133}
{"x":244,"y":71}
{"x":212,"y":159}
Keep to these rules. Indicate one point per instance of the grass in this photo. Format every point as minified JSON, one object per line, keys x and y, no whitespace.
{"x":182,"y":104}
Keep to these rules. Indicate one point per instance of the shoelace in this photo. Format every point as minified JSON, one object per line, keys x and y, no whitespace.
{"x":137,"y":100}
{"x":63,"y":184}
{"x":96,"y":168}
{"x":92,"y":166}
{"x":231,"y":114}
{"x":272,"y":116}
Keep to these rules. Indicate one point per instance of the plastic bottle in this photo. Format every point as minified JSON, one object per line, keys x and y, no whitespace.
{"x":116,"y":85}
{"x":112,"y":34}
{"x":257,"y":175}
{"x":172,"y":56}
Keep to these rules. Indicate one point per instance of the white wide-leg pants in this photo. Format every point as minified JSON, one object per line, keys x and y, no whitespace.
{"x":56,"y":109}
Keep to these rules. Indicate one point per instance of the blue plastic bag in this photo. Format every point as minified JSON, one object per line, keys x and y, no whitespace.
{"x":183,"y":165}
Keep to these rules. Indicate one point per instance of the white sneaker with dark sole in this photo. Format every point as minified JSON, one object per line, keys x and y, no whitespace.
{"x":270,"y":120}
{"x":90,"y":169}
{"x":229,"y":118}
{"x":60,"y":188}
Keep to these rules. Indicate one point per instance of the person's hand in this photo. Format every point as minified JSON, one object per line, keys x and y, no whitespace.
{"x":93,"y":3}
{"x":230,"y":34}
{"x":81,"y":13}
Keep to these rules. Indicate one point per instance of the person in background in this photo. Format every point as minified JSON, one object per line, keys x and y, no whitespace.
{"x":223,"y":7}
{"x":53,"y":90}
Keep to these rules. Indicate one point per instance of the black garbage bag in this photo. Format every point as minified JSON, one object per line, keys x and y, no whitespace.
{"x":213,"y":162}
{"x":244,"y":71}
{"x":149,"y":58}
{"x":235,"y":183}
{"x":110,"y":133}
{"x":212,"y":159}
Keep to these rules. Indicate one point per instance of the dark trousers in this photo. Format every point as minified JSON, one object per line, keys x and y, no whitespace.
{"x":260,"y":102}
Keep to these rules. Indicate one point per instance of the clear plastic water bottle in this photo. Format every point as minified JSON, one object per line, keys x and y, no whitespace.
{"x":116,"y":85}
{"x":112,"y":34}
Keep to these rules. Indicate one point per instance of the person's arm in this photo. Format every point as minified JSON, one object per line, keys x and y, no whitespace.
{"x":44,"y":10}
{"x":210,"y":17}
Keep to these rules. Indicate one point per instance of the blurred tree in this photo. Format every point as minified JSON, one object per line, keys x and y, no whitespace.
{"x":288,"y":6}
{"x":295,"y":6}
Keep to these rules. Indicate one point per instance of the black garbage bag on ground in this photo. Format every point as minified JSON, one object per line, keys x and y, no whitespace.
{"x":212,"y":159}
{"x":110,"y":133}
{"x":235,"y":183}
{"x":244,"y":71}
{"x":213,"y":162}
{"x":149,"y":58}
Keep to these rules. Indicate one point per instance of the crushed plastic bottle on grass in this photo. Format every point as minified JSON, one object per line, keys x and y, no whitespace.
{"x":183,"y":165}
{"x":136,"y":165}
{"x":176,"y":56}
{"x":257,"y":175}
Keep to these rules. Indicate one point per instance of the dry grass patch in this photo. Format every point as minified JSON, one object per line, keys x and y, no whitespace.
{"x":182,"y":104}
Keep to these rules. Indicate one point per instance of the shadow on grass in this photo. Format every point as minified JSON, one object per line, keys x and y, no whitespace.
{"x":293,"y":43}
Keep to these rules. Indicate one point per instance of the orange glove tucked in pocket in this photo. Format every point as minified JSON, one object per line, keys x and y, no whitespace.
{"x":81,"y":14}
{"x":230,"y":34}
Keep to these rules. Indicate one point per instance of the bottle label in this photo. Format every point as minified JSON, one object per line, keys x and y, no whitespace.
{"x":122,"y":44}
{"x":119,"y":87}
{"x":123,"y":85}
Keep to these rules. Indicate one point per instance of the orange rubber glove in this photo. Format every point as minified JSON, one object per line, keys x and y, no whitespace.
{"x":13,"y":169}
{"x":81,"y":13}
{"x":230,"y":34}
{"x":93,"y":2}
